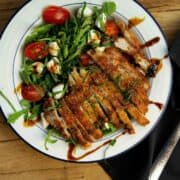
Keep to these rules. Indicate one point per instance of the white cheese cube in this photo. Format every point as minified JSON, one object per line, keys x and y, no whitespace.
{"x":38,"y":67}
{"x":87,"y":12}
{"x":58,"y":91}
{"x":100,"y":49}
{"x":53,"y":66}
{"x":94,"y":37}
{"x":53,"y":48}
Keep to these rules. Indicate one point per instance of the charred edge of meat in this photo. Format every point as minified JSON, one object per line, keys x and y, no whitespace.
{"x":154,"y":68}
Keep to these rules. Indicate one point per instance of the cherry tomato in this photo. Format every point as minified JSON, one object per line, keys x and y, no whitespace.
{"x":111,"y":29}
{"x":55,"y":15}
{"x":85,"y":59}
{"x":36,"y":50}
{"x":32,"y":93}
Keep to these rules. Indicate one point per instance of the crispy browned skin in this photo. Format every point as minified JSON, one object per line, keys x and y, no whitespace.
{"x":112,"y":92}
{"x":131,"y":45}
{"x":75,"y":102}
{"x":93,"y":101}
{"x":72,"y":125}
{"x":54,"y":119}
{"x":129,"y":80}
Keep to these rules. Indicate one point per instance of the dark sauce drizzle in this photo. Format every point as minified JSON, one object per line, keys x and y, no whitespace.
{"x":134,"y":22}
{"x":159,"y":105}
{"x":72,"y":148}
{"x":150,"y":42}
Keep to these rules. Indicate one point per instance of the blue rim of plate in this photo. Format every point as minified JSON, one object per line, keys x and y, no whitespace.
{"x":158,"y":120}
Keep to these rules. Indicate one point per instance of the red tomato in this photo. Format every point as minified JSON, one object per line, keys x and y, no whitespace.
{"x":111,"y":29}
{"x":55,"y":15}
{"x":32,"y":93}
{"x":36,"y":50}
{"x":85,"y":59}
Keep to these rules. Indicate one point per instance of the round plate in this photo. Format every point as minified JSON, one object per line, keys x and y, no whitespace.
{"x":11,"y":56}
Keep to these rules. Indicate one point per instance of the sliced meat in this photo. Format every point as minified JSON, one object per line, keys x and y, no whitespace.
{"x":53,"y":118}
{"x":118,"y":102}
{"x":76,"y":76}
{"x":75,"y":101}
{"x":131,"y":82}
{"x":145,"y":64}
{"x":128,"y":34}
{"x":106,"y":89}
{"x":123,"y":117}
{"x":106,"y":105}
{"x":137,"y":115}
{"x":74,"y":129}
{"x":98,"y":109}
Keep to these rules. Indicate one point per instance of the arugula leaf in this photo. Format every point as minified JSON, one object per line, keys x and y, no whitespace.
{"x":13,"y":117}
{"x":35,"y":111}
{"x":44,"y":28}
{"x":7,"y":100}
{"x":108,"y":130}
{"x":109,"y":7}
{"x":48,"y":138}
{"x":38,"y":33}
{"x":25,"y":103}
{"x":112,"y":143}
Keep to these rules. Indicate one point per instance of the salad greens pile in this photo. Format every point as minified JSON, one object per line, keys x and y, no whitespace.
{"x":72,"y":39}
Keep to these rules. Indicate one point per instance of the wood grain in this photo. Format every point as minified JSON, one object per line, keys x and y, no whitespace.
{"x":18,"y":160}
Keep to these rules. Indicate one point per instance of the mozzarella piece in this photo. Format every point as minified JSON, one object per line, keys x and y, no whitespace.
{"x":94,"y":37}
{"x":100,"y":49}
{"x":101,"y":21}
{"x":58,"y":91}
{"x":53,"y":66}
{"x":44,"y":122}
{"x":106,"y":125}
{"x":53,"y":48}
{"x":87,"y":12}
{"x":38,"y":67}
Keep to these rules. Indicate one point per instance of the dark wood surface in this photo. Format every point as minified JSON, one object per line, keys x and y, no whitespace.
{"x":18,"y":160}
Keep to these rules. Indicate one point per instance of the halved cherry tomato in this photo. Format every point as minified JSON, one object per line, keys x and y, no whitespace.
{"x":32,"y":93}
{"x":85,"y":59}
{"x":111,"y":29}
{"x":36,"y":50}
{"x":55,"y":15}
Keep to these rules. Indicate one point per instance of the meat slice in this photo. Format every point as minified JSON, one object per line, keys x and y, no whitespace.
{"x":110,"y":90}
{"x":98,"y":109}
{"x":74,"y":127}
{"x":128,"y":34}
{"x":131,"y":82}
{"x":137,"y":115}
{"x":145,"y":64}
{"x":106,"y":105}
{"x":54,"y":119}
{"x":121,"y":111}
{"x":106,"y":88}
{"x":75,"y":101}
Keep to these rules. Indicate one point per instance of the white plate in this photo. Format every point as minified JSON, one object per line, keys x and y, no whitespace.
{"x":11,"y":51}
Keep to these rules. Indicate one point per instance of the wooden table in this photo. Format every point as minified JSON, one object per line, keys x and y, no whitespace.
{"x":18,"y":160}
